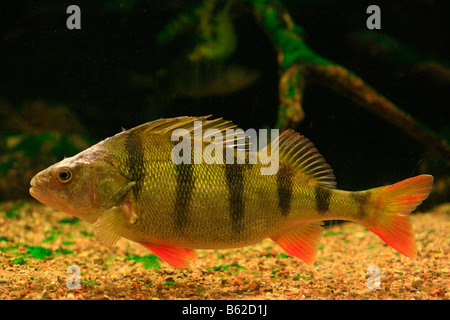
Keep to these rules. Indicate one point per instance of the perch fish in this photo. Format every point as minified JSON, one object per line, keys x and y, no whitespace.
{"x":128,"y":186}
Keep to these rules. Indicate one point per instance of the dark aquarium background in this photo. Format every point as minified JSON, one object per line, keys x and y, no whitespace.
{"x":134,"y":61}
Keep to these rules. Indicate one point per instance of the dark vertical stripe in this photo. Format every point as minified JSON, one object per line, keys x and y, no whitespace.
{"x":135,"y":160}
{"x":323,"y":197}
{"x":284,"y":189}
{"x":185,"y":187}
{"x":362,"y":198}
{"x":235,"y":184}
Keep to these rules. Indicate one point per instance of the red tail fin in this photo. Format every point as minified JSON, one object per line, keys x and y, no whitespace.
{"x":395,"y":203}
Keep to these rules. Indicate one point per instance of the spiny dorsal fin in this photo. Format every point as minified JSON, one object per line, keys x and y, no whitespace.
{"x":162,"y":126}
{"x":168,"y":126}
{"x":300,"y":154}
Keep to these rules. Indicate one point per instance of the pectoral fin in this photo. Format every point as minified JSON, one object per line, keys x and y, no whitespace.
{"x":107,"y":227}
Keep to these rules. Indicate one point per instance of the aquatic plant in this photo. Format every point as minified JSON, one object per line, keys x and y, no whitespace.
{"x":39,"y":252}
{"x":148,"y":261}
{"x":14,"y":212}
{"x":72,"y":221}
{"x":226,"y":267}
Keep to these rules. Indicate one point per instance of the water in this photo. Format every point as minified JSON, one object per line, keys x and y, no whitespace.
{"x":132,"y":62}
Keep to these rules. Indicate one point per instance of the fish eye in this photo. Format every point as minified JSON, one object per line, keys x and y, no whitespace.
{"x":64,"y":175}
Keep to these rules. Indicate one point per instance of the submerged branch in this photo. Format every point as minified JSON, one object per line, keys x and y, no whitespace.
{"x":354,"y":88}
{"x":298,"y":65}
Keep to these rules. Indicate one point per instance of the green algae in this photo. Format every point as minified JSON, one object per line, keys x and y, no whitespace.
{"x":226,"y":267}
{"x":148,"y":262}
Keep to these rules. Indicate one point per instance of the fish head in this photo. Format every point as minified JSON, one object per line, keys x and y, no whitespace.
{"x":69,"y":185}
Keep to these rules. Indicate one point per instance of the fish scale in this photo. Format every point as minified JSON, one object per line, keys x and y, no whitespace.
{"x":136,"y":191}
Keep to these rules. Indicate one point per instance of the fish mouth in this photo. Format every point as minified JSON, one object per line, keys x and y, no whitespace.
{"x":47,"y":199}
{"x":50,"y":199}
{"x":38,"y":194}
{"x":34,"y":191}
{"x":42,"y":195}
{"x":33,"y":182}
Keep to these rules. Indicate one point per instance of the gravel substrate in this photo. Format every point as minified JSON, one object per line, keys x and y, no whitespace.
{"x":38,"y":244}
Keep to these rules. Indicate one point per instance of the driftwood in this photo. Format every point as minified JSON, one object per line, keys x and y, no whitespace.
{"x":299,"y":65}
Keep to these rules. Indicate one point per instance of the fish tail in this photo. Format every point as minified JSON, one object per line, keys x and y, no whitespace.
{"x":393,"y":205}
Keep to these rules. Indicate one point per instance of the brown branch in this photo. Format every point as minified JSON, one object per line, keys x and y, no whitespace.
{"x":298,"y":62}
{"x":354,"y":88}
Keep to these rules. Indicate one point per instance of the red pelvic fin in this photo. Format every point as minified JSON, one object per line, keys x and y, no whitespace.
{"x":176,"y":257}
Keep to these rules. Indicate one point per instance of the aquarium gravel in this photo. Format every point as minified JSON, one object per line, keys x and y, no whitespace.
{"x":39,"y":244}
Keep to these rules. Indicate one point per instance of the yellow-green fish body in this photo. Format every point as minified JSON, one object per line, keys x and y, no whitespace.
{"x":129,"y":186}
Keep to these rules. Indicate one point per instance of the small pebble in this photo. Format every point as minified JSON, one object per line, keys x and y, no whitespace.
{"x":256,"y":272}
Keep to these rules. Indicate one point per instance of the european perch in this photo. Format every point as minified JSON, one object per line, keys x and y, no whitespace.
{"x":128,"y":186}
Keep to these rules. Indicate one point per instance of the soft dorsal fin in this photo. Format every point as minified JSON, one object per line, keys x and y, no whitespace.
{"x":168,"y":126}
{"x":300,"y":154}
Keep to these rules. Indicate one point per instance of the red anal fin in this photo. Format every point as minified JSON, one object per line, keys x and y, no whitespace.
{"x":301,"y":241}
{"x":176,"y":257}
